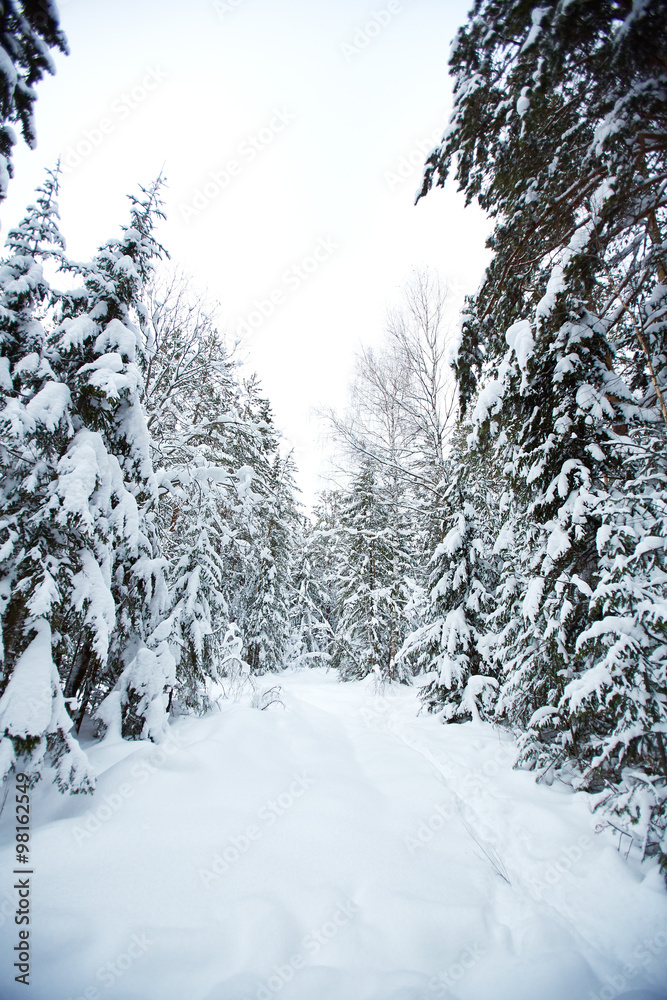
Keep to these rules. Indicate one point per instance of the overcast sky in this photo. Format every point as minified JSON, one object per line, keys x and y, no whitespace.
{"x":292,"y":135}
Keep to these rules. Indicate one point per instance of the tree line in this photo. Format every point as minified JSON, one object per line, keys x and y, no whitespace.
{"x":534,"y":539}
{"x":498,"y":526}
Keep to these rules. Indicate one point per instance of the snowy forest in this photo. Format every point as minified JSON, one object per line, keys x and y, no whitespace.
{"x":493,"y":539}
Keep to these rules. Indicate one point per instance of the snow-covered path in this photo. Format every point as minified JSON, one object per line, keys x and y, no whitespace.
{"x":337,"y":849}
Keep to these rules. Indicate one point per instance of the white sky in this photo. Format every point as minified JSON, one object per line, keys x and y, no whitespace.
{"x":317,"y":123}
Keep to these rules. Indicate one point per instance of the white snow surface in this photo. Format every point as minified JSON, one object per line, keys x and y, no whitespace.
{"x":336,"y":848}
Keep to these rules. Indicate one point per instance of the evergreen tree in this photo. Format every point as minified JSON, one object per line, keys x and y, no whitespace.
{"x":108,"y":460}
{"x":312,"y":611}
{"x":371,"y":585}
{"x":267,"y":596}
{"x":326,"y":548}
{"x":28,"y":29}
{"x":455,"y":642}
{"x":322,"y":553}
{"x":192,"y":403}
{"x":619,"y":703}
{"x":35,"y":566}
{"x":558,"y":132}
{"x":82,"y":566}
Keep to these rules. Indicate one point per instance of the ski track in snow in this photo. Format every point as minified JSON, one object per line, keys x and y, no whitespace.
{"x":341,"y":848}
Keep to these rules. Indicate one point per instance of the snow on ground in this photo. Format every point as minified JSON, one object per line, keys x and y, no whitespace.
{"x":339,"y":848}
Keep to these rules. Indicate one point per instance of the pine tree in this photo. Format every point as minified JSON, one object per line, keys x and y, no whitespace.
{"x":99,"y":344}
{"x":455,"y":642}
{"x":371,"y":583}
{"x":28,"y":29}
{"x":320,"y":553}
{"x":619,"y":703}
{"x":266,"y":599}
{"x":34,"y":558}
{"x":558,"y":132}
{"x":192,"y":403}
{"x":84,"y":567}
{"x":312,"y":610}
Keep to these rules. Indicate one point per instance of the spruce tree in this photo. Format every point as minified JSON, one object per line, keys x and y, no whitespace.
{"x":558,"y":132}
{"x":455,"y":643}
{"x":100,"y":347}
{"x":36,"y":563}
{"x":28,"y":29}
{"x":84,"y":570}
{"x":322,"y":552}
{"x":267,"y":597}
{"x":371,"y":583}
{"x":311,"y":628}
{"x":619,"y":703}
{"x":192,"y":404}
